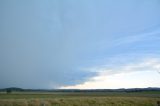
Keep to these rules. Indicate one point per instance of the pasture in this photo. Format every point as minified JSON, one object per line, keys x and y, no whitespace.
{"x":80,"y":99}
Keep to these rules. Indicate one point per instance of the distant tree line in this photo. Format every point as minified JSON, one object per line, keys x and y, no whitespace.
{"x":14,"y":89}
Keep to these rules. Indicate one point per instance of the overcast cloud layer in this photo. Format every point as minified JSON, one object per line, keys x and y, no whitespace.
{"x":56,"y":43}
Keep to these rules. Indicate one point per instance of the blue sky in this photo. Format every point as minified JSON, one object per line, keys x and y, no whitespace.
{"x":79,"y":43}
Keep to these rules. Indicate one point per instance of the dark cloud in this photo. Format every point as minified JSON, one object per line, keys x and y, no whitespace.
{"x":35,"y":52}
{"x":46,"y":44}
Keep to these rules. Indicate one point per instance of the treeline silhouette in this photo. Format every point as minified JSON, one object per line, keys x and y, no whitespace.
{"x":15,"y":89}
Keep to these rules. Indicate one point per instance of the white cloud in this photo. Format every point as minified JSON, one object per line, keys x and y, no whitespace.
{"x":140,"y":74}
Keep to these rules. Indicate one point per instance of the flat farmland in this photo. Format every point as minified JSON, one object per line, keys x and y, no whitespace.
{"x":80,"y":99}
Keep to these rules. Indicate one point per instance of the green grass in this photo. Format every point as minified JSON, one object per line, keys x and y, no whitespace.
{"x":80,"y":99}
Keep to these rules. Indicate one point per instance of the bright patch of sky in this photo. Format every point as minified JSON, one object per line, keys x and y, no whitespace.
{"x":136,"y":75}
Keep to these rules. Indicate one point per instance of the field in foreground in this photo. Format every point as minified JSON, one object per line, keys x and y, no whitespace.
{"x":80,"y":99}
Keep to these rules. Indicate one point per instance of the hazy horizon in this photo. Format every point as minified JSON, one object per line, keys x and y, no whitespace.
{"x":79,"y":44}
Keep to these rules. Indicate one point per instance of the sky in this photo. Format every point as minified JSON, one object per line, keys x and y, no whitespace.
{"x":79,"y":44}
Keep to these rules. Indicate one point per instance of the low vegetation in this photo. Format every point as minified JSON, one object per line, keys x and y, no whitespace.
{"x":79,"y":99}
{"x":82,"y":101}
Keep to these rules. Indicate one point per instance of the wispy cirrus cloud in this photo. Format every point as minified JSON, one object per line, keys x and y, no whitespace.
{"x":151,"y":33}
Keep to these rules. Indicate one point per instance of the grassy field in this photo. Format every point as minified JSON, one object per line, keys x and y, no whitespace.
{"x":80,"y":99}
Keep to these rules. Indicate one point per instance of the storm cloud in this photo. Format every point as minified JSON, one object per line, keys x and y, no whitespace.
{"x":48,"y":43}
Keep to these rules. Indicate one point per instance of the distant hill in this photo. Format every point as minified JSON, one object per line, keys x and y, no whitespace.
{"x":79,"y":90}
{"x":12,"y":89}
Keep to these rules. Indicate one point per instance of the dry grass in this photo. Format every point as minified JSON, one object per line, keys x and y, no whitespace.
{"x":82,"y":101}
